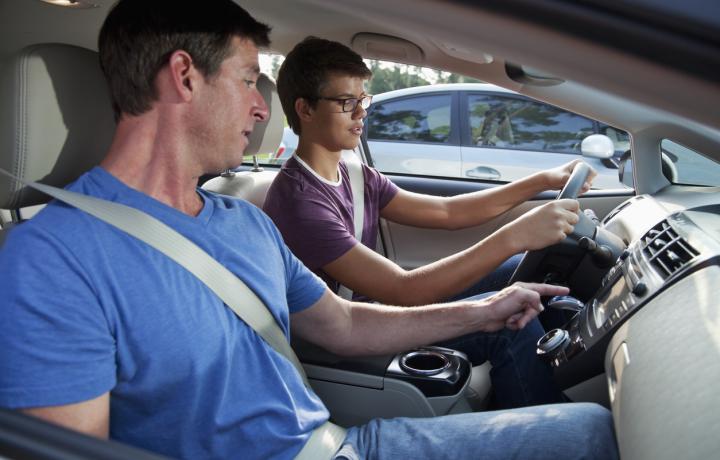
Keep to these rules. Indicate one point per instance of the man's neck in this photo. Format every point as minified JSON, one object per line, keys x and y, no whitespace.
{"x":148,"y":160}
{"x":324,"y":162}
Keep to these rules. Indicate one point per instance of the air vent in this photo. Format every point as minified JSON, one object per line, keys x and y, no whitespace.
{"x":666,"y":250}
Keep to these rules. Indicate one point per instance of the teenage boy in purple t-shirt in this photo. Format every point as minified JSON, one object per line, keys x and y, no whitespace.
{"x":321,"y":87}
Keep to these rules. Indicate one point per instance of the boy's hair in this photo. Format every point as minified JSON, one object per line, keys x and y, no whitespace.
{"x":138,"y":37}
{"x":307,"y":68}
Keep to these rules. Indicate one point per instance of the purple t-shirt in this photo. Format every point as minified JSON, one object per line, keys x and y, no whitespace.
{"x":315,"y":216}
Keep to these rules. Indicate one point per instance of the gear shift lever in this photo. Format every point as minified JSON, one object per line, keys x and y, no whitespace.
{"x":566,"y":302}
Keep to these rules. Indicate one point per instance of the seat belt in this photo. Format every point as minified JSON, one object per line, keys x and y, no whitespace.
{"x":325,"y":440}
{"x":357,"y":186}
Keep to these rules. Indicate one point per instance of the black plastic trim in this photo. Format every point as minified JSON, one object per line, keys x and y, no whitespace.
{"x":25,"y":437}
{"x":440,"y":186}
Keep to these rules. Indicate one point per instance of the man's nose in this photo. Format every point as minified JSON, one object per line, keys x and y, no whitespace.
{"x":261,"y":111}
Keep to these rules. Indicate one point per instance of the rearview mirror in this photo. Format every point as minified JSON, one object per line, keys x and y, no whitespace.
{"x":597,"y":146}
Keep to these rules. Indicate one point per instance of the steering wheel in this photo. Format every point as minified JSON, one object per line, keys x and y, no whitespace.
{"x":575,"y":182}
{"x":527,"y":269}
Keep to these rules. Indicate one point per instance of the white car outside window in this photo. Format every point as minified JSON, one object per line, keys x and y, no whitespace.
{"x":481,"y":131}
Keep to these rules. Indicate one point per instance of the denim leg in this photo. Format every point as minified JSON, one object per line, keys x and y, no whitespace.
{"x":567,"y":431}
{"x":494,"y":281}
{"x":519,"y":378}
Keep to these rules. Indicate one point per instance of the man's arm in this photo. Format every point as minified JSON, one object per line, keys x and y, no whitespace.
{"x":359,"y":329}
{"x":471,"y":209}
{"x":378,"y":278}
{"x":90,"y":417}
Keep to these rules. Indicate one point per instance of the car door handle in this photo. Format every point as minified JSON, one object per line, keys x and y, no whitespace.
{"x":483,"y":172}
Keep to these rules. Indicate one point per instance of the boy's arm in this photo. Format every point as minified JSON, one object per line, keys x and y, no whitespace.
{"x":476,"y":208}
{"x":368,"y":273}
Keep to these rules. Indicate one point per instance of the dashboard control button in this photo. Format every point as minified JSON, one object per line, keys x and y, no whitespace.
{"x":640,"y":289}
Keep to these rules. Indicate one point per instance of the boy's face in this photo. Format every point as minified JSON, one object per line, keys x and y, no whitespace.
{"x":329,"y":125}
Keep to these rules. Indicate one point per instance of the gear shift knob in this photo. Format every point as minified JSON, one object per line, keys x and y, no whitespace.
{"x":565,"y":302}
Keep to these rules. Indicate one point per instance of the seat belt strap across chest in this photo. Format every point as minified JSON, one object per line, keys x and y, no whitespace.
{"x":234,"y":293}
{"x":357,"y":185}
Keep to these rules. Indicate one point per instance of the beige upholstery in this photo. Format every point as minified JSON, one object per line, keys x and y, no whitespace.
{"x":250,"y":186}
{"x":265,"y":138}
{"x":56,"y":120}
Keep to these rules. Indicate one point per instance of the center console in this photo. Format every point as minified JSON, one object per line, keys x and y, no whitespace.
{"x":423,"y":382}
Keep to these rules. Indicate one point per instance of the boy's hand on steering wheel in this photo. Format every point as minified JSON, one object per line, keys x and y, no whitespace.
{"x":557,"y":177}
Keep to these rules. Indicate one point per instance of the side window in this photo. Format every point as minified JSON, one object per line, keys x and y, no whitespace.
{"x":418,"y":119}
{"x":682,"y":165}
{"x":508,"y":122}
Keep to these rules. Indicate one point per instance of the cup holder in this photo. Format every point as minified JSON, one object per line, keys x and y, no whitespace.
{"x":424,"y":362}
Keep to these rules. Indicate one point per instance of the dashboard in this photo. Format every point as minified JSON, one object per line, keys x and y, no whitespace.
{"x":666,"y":242}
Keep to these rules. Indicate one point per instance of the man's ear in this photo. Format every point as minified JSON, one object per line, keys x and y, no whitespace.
{"x":303,"y":109}
{"x":182,"y":75}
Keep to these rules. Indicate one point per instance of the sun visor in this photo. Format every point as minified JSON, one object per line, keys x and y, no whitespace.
{"x":387,"y":48}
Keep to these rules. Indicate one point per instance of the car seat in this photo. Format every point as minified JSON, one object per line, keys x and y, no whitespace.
{"x":56,"y":121}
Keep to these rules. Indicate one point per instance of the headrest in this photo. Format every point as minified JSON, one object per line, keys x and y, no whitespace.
{"x":56,"y":120}
{"x":267,"y":135}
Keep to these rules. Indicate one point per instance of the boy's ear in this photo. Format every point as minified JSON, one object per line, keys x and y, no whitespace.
{"x":303,"y":109}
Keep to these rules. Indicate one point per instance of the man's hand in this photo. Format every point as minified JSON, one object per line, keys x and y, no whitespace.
{"x":515,"y":306}
{"x":556,"y":178}
{"x":543,"y":226}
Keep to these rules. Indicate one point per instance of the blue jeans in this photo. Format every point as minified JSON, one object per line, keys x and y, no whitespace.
{"x":554,"y":432}
{"x":494,"y":281}
{"x":518,"y":377}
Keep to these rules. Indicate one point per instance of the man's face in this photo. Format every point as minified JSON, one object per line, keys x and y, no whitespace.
{"x":331,"y":127}
{"x":229,"y":104}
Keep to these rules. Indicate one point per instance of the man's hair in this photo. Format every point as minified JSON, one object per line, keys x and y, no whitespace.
{"x":138,"y":37}
{"x":306,"y":70}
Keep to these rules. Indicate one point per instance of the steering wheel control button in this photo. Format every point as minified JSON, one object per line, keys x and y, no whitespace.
{"x":551,"y":347}
{"x":566,"y":302}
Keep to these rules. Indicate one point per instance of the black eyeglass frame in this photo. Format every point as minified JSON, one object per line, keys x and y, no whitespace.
{"x":349,"y":104}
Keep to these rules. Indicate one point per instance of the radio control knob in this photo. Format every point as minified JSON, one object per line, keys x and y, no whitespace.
{"x":640,"y":289}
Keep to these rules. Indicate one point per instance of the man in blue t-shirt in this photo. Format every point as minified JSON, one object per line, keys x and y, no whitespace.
{"x":103,"y":334}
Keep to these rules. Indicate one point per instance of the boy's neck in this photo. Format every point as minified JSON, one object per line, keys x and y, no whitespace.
{"x":324,"y":162}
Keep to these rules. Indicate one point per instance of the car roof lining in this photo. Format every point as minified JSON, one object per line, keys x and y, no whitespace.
{"x":622,"y":98}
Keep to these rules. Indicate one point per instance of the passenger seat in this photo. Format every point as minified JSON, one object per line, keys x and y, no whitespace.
{"x":56,"y":122}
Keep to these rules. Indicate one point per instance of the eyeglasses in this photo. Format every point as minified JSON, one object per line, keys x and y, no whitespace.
{"x":350,"y":104}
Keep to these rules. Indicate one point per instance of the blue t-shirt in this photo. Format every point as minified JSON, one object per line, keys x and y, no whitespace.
{"x":86,"y":309}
